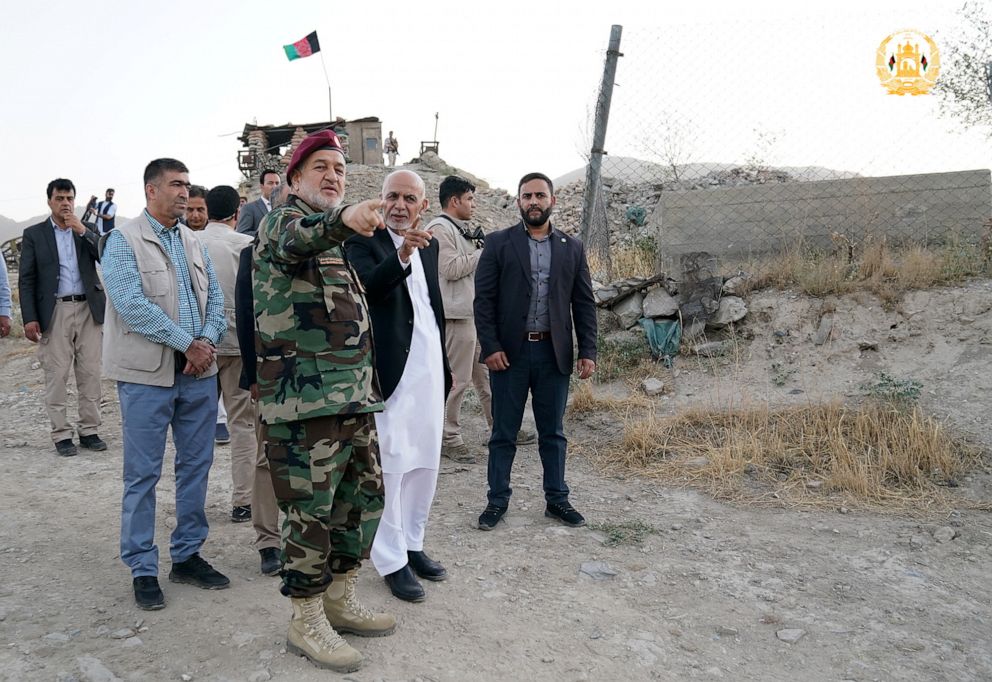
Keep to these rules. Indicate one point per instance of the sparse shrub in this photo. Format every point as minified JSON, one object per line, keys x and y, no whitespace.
{"x":902,"y":392}
{"x":624,"y":532}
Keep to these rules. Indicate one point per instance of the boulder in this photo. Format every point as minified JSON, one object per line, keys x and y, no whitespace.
{"x":659,"y":303}
{"x":732,"y":309}
{"x":630,"y":310}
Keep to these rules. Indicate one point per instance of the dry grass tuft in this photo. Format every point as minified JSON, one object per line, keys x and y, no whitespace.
{"x":871,"y":265}
{"x":627,"y":261}
{"x":584,"y":400}
{"x":876,"y":454}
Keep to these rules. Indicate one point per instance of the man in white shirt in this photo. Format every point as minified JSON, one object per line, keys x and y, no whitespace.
{"x":105,"y":212}
{"x":398,"y":268}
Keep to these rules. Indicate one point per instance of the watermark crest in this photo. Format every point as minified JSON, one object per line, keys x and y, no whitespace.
{"x":908,"y":63}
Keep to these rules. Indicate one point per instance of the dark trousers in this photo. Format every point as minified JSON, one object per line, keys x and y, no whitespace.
{"x":534,"y":371}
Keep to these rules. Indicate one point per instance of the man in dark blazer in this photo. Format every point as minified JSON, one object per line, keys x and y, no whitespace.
{"x":532,"y":283}
{"x":253,"y":212}
{"x":62,"y":303}
{"x":399,"y":270}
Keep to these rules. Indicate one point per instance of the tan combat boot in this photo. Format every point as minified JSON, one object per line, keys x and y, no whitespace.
{"x":310,"y":635}
{"x":346,"y":613}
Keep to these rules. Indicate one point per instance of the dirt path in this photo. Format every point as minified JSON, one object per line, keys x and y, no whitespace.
{"x":710,"y":595}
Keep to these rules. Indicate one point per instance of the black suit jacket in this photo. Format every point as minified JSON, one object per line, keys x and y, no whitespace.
{"x":38,"y":281}
{"x":378,"y":266}
{"x":244,"y":318}
{"x":251,"y":215}
{"x":503,"y":290}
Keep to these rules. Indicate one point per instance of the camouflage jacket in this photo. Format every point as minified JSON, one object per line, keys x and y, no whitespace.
{"x":312,"y":333}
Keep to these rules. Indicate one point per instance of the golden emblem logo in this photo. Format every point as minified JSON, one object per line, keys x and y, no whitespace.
{"x":908,"y":63}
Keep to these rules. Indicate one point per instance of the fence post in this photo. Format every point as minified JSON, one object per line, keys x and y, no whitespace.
{"x":594,"y":168}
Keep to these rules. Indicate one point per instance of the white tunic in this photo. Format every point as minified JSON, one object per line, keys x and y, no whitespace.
{"x":411,"y":422}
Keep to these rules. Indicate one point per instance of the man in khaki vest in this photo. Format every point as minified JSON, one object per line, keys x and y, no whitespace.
{"x":458,"y":257}
{"x":161,"y":331}
{"x":224,"y":246}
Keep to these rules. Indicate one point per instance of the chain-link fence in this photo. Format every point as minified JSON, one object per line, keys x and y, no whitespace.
{"x":752,"y":142}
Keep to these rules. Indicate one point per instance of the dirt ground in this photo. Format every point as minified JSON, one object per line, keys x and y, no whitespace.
{"x":715,"y":593}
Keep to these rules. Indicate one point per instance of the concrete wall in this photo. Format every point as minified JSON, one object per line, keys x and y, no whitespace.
{"x":764,"y":218}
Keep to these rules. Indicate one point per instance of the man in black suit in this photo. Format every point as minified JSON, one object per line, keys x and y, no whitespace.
{"x":531,"y":284}
{"x":253,"y":212}
{"x":62,"y":303}
{"x":398,"y":268}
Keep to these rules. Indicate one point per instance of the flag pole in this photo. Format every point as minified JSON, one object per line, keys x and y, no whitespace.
{"x":330,"y":111}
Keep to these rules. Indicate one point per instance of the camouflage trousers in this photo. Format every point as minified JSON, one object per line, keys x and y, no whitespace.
{"x":328,"y":482}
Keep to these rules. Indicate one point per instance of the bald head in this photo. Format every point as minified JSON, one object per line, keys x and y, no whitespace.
{"x":404,"y":193}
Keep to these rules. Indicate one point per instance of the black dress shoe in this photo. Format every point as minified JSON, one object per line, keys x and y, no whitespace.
{"x":92,"y":442}
{"x":196,"y":571}
{"x":66,"y":448}
{"x":147,"y":594}
{"x":270,"y":561}
{"x":241,"y":514}
{"x":403,"y":584}
{"x":425,"y":567}
{"x":565,"y":513}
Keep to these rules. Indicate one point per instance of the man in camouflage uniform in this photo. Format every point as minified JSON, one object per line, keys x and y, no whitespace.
{"x":317,"y":395}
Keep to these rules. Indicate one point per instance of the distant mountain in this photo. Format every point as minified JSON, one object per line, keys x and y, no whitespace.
{"x":629,"y":169}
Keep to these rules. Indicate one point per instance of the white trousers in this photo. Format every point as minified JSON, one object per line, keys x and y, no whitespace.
{"x":404,"y":518}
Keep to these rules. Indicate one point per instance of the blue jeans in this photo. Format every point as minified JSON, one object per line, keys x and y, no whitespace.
{"x":190,"y":407}
{"x":534,"y":371}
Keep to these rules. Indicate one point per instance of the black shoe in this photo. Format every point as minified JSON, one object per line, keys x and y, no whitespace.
{"x":241,"y":514}
{"x":491,"y":516}
{"x":403,"y":584}
{"x":92,"y":442}
{"x":425,"y":567}
{"x":66,"y":448}
{"x":147,"y":594}
{"x":196,"y":571}
{"x":564,"y":512}
{"x":271,"y":565}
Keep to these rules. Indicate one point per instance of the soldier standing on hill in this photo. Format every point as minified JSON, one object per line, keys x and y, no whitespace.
{"x":317,"y":392}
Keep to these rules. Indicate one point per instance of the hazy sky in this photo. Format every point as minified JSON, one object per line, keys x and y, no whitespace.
{"x":94,"y":90}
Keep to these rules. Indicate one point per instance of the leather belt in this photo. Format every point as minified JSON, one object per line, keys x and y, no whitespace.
{"x":538,"y":336}
{"x":74,"y":297}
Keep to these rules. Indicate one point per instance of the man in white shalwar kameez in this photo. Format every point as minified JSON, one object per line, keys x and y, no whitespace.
{"x":398,"y":268}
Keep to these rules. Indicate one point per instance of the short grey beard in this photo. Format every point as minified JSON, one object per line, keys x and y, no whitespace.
{"x":317,"y":201}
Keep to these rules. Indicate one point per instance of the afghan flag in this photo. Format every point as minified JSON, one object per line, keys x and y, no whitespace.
{"x":303,"y":48}
{"x":924,"y":63}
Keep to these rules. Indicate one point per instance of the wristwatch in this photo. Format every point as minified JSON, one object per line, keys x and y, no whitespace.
{"x":206,"y":340}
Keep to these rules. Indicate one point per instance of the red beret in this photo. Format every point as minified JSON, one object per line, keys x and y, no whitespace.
{"x":325,"y":139}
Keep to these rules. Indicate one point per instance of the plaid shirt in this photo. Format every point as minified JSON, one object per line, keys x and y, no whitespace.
{"x":123,"y":283}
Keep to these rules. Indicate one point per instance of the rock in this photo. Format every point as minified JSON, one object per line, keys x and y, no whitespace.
{"x":597,"y":570}
{"x":725,"y":631}
{"x":102,"y":631}
{"x":659,"y":303}
{"x":260,"y":676}
{"x":736,"y":285}
{"x":822,"y":334}
{"x":652,"y":386}
{"x":711,"y":349}
{"x":603,"y":294}
{"x":790,"y":635}
{"x":186,"y":677}
{"x":732,"y":309}
{"x":865,"y":344}
{"x":629,"y":310}
{"x":944,"y":534}
{"x":56,"y":637}
{"x":92,"y":669}
{"x":133,"y":642}
{"x":123,"y":633}
{"x":916,"y":542}
{"x":814,"y":485}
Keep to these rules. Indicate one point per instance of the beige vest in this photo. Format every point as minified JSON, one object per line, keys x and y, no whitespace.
{"x":457,"y":259}
{"x":224,"y":246}
{"x":127,"y":355}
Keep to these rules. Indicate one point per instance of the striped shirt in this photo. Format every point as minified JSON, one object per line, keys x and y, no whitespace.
{"x":123,"y":283}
